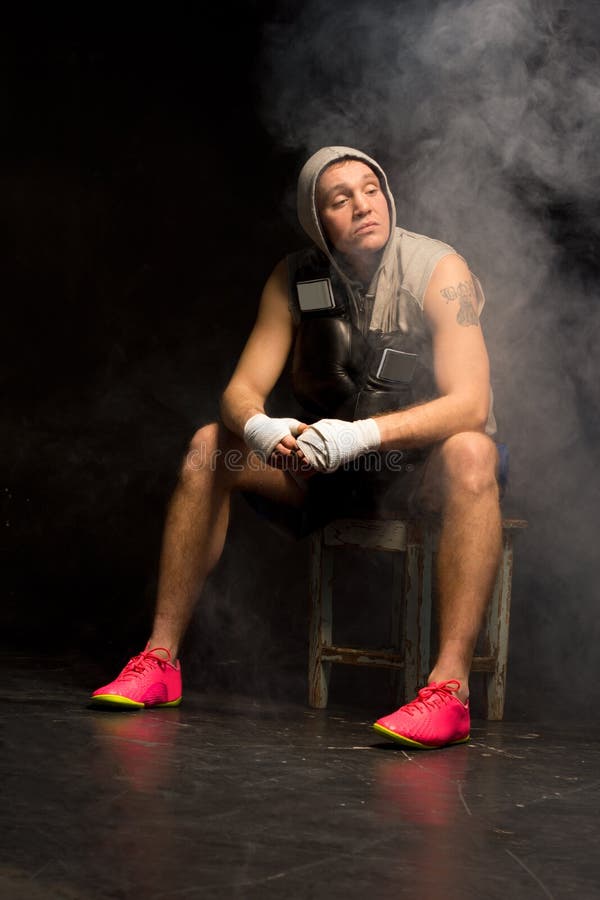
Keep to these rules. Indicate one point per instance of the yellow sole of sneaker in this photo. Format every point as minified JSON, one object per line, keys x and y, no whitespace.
{"x":407,"y":742}
{"x":115,"y":701}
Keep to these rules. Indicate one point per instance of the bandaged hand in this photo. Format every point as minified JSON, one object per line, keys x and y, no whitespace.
{"x":262,"y":433}
{"x":330,"y":443}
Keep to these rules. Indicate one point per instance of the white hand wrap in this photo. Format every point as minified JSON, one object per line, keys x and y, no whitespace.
{"x":330,"y":443}
{"x":262,"y":433}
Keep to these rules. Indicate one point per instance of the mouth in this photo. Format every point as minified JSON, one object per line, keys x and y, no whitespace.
{"x":366,"y":226}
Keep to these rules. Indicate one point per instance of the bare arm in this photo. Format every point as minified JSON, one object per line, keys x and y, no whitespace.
{"x":264,"y":356}
{"x":461,"y":365}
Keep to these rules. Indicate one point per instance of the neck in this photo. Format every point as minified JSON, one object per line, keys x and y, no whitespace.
{"x":363,"y":267}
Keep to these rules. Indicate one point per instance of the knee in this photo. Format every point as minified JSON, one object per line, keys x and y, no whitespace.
{"x":202,"y":453}
{"x":213,"y":453}
{"x":470,"y":461}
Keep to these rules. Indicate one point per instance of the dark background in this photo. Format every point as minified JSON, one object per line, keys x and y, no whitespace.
{"x":144,"y":203}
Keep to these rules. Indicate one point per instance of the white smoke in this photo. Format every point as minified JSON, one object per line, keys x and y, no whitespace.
{"x":486,"y":115}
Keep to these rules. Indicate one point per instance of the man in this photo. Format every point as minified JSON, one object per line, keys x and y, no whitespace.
{"x":390,"y":363}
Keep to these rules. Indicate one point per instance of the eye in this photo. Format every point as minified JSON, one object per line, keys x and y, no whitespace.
{"x":339,"y":202}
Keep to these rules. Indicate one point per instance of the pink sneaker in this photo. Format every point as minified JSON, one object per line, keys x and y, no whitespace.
{"x":435,"y":718}
{"x":146,"y":680}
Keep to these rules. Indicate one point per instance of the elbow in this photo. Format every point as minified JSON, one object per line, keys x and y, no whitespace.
{"x":480,"y":411}
{"x":472,"y":410}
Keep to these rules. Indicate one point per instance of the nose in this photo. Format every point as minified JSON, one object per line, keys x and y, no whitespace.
{"x":361,"y":204}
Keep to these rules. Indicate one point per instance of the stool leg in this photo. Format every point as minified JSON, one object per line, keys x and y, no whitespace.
{"x":417,"y":591}
{"x":398,"y":587}
{"x":426,"y":604}
{"x":496,"y":631}
{"x":321,"y":575}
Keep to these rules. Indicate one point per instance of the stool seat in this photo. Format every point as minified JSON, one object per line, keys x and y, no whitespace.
{"x":413,"y":544}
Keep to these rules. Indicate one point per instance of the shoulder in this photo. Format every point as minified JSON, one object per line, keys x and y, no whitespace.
{"x":452,"y":287}
{"x":412,"y":242}
{"x":452,"y":277}
{"x":306,"y":259}
{"x":418,"y":257}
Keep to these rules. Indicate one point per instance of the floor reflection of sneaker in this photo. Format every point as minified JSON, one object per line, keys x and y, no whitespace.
{"x":424,"y":792}
{"x":146,"y":680}
{"x":435,"y":718}
{"x":138,"y":748}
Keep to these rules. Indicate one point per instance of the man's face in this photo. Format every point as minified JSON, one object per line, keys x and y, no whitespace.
{"x":353,"y":208}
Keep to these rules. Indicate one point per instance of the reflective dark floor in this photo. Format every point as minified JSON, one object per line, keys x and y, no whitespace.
{"x":230,"y":796}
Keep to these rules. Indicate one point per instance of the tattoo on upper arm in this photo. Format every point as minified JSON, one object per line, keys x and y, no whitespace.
{"x":464,"y":292}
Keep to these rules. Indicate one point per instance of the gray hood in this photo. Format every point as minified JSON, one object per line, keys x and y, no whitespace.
{"x":385,"y":283}
{"x":307,"y":188}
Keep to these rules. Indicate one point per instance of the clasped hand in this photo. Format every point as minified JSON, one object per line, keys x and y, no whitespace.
{"x":329,"y":443}
{"x":322,"y":447}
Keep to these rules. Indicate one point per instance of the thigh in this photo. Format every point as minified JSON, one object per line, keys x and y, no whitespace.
{"x":449,"y":462}
{"x":244,"y":471}
{"x":378,"y":484}
{"x":427,"y":499}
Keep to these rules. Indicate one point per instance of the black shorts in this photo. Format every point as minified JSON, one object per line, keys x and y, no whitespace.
{"x":381,"y":483}
{"x":374,"y":483}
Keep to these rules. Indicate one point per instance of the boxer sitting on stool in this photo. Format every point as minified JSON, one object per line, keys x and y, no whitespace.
{"x":390,"y":364}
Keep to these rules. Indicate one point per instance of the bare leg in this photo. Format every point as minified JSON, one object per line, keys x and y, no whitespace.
{"x":463,"y":469}
{"x":197,"y":520}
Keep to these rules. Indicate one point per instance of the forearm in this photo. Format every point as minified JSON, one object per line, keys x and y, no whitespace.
{"x":237,"y":405}
{"x":431,"y":422}
{"x":331,"y":443}
{"x":242,"y":411}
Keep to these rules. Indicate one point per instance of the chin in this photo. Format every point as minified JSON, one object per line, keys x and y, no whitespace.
{"x":372,"y":244}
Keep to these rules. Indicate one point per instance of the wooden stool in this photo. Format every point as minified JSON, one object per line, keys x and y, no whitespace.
{"x":413,"y":544}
